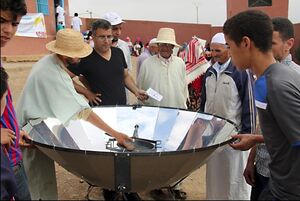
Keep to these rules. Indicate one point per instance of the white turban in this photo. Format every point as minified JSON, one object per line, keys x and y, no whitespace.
{"x":218,"y":38}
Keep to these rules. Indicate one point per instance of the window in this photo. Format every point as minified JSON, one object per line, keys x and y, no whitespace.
{"x":43,"y":7}
{"x":257,"y":3}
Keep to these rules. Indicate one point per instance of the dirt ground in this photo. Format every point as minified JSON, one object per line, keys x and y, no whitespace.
{"x":71,"y":187}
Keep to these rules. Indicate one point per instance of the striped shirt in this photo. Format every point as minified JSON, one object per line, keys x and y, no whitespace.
{"x":9,"y":120}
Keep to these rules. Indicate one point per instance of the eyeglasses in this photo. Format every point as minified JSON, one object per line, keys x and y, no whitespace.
{"x":103,"y":38}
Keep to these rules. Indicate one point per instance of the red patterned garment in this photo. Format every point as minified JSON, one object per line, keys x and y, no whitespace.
{"x":196,"y":65}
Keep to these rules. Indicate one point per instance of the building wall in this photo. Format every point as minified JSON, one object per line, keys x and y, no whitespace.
{"x":147,"y":30}
{"x":27,"y":46}
{"x":278,"y":8}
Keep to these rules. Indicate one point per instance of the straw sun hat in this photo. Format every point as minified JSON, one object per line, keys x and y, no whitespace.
{"x":166,"y":35}
{"x":69,"y":43}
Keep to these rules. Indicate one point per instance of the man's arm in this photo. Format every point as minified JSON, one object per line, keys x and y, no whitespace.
{"x":244,"y":142}
{"x":93,"y":98}
{"x":249,"y":172}
{"x":120,"y":137}
{"x":130,"y":84}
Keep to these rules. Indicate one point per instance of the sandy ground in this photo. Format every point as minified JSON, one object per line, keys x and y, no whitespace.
{"x":69,"y":186}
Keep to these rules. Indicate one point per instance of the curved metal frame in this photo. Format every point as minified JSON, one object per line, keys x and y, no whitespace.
{"x":131,"y":171}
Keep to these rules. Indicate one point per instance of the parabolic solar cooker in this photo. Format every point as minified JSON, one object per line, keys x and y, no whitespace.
{"x":169,"y":145}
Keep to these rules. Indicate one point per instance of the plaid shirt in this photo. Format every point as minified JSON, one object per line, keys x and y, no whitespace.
{"x":9,"y":120}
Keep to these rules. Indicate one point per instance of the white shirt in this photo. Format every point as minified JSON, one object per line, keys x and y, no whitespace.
{"x":124,"y":47}
{"x":60,"y":16}
{"x":167,"y":78}
{"x":221,"y":67}
{"x":76,"y":23}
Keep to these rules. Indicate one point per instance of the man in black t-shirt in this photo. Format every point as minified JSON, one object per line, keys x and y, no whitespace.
{"x":104,"y":72}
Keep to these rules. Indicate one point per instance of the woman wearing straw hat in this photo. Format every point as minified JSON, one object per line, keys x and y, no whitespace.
{"x":49,"y":92}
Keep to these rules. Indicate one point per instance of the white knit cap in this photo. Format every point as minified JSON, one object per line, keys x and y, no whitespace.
{"x":152,"y":42}
{"x":218,"y":38}
{"x":113,"y":18}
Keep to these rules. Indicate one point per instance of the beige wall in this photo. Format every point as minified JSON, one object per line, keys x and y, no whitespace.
{"x":147,"y":30}
{"x":278,"y":8}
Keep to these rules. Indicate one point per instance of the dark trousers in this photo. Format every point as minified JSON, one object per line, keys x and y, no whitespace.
{"x":266,"y":194}
{"x":260,"y":183}
{"x":21,"y":179}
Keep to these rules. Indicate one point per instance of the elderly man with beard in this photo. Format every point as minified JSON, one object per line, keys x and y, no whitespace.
{"x":165,"y":73}
{"x":49,"y":92}
{"x":227,"y":92}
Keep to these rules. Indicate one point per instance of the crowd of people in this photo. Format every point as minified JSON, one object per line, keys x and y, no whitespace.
{"x":251,"y":74}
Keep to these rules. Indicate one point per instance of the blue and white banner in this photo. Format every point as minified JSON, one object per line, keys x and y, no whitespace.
{"x":32,"y":25}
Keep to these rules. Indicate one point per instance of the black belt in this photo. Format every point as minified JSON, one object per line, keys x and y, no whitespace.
{"x":17,"y":167}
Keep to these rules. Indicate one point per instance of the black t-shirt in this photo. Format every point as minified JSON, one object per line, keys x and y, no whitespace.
{"x":104,"y":76}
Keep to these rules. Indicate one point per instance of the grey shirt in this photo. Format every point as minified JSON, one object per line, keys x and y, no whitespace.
{"x":277,"y":97}
{"x":262,"y":158}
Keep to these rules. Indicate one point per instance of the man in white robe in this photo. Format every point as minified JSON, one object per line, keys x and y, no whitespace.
{"x":165,"y":73}
{"x":49,"y":92}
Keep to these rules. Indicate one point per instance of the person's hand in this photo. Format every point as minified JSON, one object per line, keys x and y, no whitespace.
{"x":7,"y":137}
{"x":249,"y":173}
{"x":142,"y":95}
{"x":23,"y":136}
{"x":243,"y":142}
{"x":125,"y":141}
{"x":93,"y":98}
